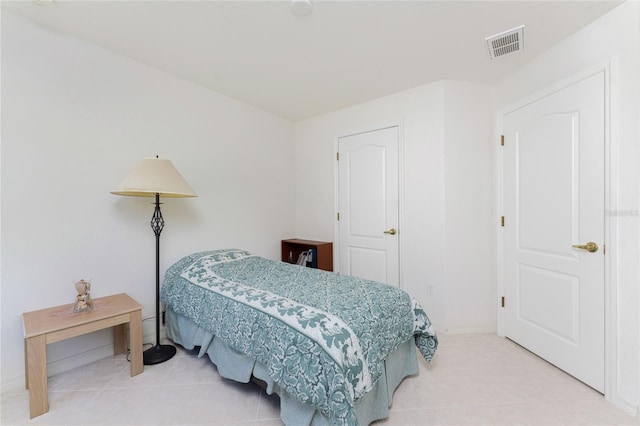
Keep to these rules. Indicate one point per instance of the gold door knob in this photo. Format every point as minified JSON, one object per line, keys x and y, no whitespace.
{"x":591,"y":247}
{"x":391,"y":231}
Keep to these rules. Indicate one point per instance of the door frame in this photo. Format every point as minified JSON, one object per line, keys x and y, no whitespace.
{"x":610,"y":222}
{"x":356,"y":130}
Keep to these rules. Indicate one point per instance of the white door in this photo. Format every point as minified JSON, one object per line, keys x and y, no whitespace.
{"x":553,"y":206}
{"x":368,"y":205}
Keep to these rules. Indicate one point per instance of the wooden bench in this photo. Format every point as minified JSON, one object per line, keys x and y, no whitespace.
{"x":59,"y":323}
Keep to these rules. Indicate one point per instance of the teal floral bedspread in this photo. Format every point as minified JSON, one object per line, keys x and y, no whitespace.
{"x":324,"y":336}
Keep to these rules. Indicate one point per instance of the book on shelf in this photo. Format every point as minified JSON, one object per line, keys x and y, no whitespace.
{"x":308,"y":258}
{"x":312,"y":258}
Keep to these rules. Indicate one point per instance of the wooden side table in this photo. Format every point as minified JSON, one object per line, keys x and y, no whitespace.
{"x":60,"y":323}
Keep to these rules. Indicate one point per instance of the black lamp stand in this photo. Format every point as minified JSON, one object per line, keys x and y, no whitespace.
{"x":158,"y":353}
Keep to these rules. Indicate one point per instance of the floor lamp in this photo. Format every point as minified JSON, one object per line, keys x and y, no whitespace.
{"x":153,"y":177}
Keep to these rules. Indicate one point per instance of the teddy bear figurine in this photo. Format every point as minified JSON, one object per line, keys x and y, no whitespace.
{"x":83,"y":299}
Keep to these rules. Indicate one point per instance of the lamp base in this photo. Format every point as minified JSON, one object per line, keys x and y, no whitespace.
{"x":158,"y":354}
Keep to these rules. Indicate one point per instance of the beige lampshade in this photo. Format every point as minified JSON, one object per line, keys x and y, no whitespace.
{"x":155,"y":176}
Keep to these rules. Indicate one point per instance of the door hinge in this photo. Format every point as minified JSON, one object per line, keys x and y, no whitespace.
{"x":337,"y":156}
{"x":502,"y":301}
{"x":338,"y":216}
{"x":501,"y":140}
{"x":604,"y":249}
{"x":502,"y":221}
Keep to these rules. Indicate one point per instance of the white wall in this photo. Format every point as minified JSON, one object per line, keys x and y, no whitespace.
{"x":614,"y":38}
{"x":75,"y":120}
{"x":470,"y":218}
{"x":447,"y":234}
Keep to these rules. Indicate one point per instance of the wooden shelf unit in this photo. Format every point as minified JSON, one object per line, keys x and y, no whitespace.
{"x":292,"y":248}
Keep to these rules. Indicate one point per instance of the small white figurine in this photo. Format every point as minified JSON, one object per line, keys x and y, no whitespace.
{"x":83,"y":299}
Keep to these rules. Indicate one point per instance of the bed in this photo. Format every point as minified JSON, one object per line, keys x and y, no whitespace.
{"x":333,"y":347}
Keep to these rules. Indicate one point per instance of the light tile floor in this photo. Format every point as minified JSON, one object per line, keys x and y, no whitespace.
{"x":475,"y":379}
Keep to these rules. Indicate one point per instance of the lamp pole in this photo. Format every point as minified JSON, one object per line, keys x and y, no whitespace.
{"x":158,"y":353}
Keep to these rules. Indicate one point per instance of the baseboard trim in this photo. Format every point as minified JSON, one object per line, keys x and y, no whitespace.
{"x":466,"y":330}
{"x":626,"y":406}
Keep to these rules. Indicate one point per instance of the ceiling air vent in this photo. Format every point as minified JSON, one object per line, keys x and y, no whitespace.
{"x":506,"y":42}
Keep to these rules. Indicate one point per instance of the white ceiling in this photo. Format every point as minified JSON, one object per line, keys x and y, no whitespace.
{"x":344,"y":53}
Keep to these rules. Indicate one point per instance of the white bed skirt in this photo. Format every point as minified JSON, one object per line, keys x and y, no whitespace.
{"x":233,"y":365}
